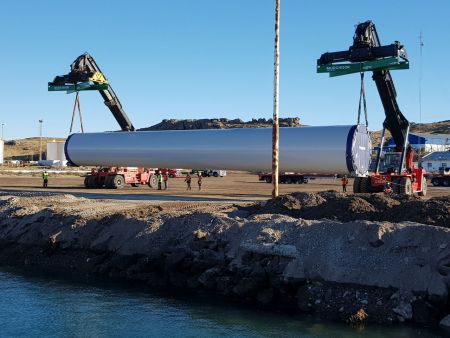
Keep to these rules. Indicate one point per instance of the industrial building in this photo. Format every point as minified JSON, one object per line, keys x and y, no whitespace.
{"x":424,"y":142}
{"x":435,"y":160}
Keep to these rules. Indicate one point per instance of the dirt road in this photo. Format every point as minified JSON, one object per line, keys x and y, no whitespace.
{"x":237,"y":186}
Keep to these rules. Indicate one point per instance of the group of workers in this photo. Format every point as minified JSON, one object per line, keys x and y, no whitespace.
{"x":164,"y":178}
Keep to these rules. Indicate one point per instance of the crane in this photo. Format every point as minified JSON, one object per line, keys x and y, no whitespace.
{"x":85,"y":74}
{"x":367,"y":54}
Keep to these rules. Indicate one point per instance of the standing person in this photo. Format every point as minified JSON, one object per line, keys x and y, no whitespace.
{"x":160,"y":180}
{"x":45,"y":179}
{"x":344,"y":183}
{"x":200,"y":182}
{"x":387,"y":188}
{"x":188,"y":182}
{"x":166,"y":178}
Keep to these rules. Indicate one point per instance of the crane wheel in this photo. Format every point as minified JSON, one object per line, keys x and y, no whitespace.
{"x":364,"y":185}
{"x":405,"y":186}
{"x":118,"y":182}
{"x":153,"y":182}
{"x":357,"y":185}
{"x":446,"y":182}
{"x":424,"y":187}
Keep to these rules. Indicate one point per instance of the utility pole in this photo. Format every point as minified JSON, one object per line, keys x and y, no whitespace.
{"x":276,"y":84}
{"x":2,"y":130}
{"x":40,"y":139}
{"x":420,"y":94}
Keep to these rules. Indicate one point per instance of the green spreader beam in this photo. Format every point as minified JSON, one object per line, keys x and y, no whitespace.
{"x":338,"y":69}
{"x":72,"y":88}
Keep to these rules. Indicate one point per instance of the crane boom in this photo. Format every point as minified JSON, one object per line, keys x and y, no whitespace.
{"x":84,"y":70}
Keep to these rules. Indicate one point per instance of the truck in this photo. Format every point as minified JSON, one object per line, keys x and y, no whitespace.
{"x":367,"y":54}
{"x":85,"y":74}
{"x":294,"y":178}
{"x":442,"y":178}
{"x":209,"y":172}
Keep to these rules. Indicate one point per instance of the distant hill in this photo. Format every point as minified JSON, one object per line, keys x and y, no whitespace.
{"x":221,"y":123}
{"x":442,"y":127}
{"x":26,"y":149}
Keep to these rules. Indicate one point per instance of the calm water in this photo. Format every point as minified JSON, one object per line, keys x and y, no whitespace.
{"x":32,"y":306}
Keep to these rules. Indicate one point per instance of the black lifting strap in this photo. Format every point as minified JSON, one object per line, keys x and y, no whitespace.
{"x":362,"y":96}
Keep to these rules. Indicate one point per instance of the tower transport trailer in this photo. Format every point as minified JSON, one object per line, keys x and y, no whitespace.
{"x":118,"y":177}
{"x":441,"y":179}
{"x":367,"y":54}
{"x":294,"y":178}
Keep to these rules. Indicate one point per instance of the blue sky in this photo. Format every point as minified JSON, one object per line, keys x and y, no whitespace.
{"x":211,"y":58}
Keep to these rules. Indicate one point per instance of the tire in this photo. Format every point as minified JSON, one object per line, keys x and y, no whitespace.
{"x":436,"y":182}
{"x":424,"y":187}
{"x":153,"y":182}
{"x":216,"y":174}
{"x":405,"y":186}
{"x":92,"y":182}
{"x":268,"y":179}
{"x":109,"y":182}
{"x":365,"y":186}
{"x":446,"y":182}
{"x":135,"y":185}
{"x":86,"y":182}
{"x":118,"y":182}
{"x":357,"y":185}
{"x":171,"y":176}
{"x":396,"y":186}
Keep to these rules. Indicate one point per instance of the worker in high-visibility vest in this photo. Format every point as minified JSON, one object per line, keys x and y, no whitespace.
{"x":45,"y":179}
{"x":160,"y":181}
{"x":344,"y":183}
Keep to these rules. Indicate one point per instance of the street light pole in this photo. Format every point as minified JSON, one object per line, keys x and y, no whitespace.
{"x":40,"y":139}
{"x":2,"y":130}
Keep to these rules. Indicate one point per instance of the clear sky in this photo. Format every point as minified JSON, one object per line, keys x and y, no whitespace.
{"x":211,"y":58}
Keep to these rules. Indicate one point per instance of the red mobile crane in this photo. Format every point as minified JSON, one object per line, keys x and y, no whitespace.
{"x":367,"y":54}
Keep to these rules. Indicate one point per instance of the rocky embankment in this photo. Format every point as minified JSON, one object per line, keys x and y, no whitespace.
{"x":281,"y":256}
{"x":221,"y":123}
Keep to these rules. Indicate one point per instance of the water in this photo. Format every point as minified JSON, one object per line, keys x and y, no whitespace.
{"x":36,"y":306}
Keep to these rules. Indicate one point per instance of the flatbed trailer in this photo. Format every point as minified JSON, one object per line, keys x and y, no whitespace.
{"x":441,"y":179}
{"x":294,"y":178}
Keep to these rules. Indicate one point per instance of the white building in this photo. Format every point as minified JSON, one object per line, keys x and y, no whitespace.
{"x":426,"y":142}
{"x":55,"y":151}
{"x":438,"y":159}
{"x":2,"y":146}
